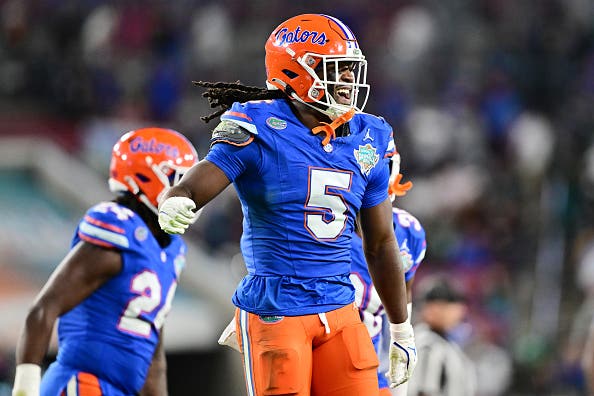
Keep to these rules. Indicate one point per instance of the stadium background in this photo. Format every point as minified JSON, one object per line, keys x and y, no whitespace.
{"x":491,"y":101}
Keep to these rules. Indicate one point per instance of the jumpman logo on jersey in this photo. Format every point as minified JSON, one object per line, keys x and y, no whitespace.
{"x":368,"y":136}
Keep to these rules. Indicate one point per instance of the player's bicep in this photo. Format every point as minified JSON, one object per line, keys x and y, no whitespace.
{"x":376,"y":225}
{"x":81,"y":272}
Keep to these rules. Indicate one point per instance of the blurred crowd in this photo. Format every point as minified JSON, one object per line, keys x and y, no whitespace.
{"x":492,"y":103}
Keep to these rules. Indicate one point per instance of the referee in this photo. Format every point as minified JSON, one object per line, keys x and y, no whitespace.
{"x":443,"y":369}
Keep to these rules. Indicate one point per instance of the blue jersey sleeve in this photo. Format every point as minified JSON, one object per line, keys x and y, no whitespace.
{"x":378,"y":179}
{"x":377,"y":187}
{"x":233,"y":160}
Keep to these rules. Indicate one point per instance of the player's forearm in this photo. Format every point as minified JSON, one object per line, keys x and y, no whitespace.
{"x":35,"y":336}
{"x":201,"y":183}
{"x":180,"y":190}
{"x":387,"y":273}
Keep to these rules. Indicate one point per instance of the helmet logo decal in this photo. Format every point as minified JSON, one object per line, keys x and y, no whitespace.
{"x":367,"y":157}
{"x":284,"y":37}
{"x":138,"y":144}
{"x":276,"y":123}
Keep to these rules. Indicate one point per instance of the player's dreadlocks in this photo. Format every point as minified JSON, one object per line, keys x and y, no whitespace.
{"x":223,"y":95}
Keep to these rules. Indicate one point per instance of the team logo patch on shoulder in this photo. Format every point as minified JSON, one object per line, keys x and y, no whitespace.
{"x":140,"y":233}
{"x":276,"y":123}
{"x":367,"y":157}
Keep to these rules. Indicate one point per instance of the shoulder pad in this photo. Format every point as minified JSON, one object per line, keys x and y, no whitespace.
{"x":230,"y":132}
{"x":107,"y":224}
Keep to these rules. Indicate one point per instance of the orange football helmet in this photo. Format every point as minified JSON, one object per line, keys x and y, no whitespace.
{"x":148,"y":161}
{"x":301,"y":51}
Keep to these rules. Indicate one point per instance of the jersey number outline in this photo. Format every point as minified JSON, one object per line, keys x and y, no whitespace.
{"x":326,"y":211}
{"x":147,"y":284}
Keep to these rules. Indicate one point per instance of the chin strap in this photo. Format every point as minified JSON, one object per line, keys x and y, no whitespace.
{"x":330,"y":129}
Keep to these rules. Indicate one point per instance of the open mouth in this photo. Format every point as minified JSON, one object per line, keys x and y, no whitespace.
{"x":342,"y":95}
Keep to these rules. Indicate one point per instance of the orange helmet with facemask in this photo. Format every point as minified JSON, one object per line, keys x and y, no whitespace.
{"x":301,"y":51}
{"x":146,"y":162}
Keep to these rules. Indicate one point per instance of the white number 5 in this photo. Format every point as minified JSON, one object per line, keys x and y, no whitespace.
{"x":328,"y":218}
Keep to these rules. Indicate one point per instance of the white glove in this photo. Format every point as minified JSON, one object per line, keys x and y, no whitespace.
{"x":229,"y":336}
{"x":403,"y":353}
{"x":176,"y":214}
{"x":26,"y":380}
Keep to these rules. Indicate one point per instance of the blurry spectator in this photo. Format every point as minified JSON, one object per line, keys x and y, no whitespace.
{"x":443,"y":368}
{"x":211,"y":35}
{"x":500,"y":107}
{"x":532,"y":142}
{"x":588,"y":361}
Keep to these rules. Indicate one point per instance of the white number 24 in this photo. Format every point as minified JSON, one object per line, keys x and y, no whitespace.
{"x":147,"y":284}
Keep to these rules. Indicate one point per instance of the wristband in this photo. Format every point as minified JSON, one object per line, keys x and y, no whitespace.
{"x":401,"y":330}
{"x":26,"y":380}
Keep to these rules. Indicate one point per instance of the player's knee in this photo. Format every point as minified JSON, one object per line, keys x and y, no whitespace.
{"x":281,"y":372}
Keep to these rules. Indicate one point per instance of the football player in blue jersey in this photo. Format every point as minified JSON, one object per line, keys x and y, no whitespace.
{"x":305,"y":161}
{"x":113,"y":290}
{"x":410,"y":236}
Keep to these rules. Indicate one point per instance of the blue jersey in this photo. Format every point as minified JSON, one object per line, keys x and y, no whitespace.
{"x":411,"y":241}
{"x":114,"y":332}
{"x":299,"y":202}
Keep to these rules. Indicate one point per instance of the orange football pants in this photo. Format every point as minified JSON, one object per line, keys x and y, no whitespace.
{"x":327,"y":354}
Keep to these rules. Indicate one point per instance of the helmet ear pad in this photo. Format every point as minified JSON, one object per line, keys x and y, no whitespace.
{"x":300,"y":82}
{"x":289,"y":76}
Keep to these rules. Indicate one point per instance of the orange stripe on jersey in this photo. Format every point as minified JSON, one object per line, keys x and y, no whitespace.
{"x":240,"y":115}
{"x":95,"y":241}
{"x":102,"y":224}
{"x":88,"y":385}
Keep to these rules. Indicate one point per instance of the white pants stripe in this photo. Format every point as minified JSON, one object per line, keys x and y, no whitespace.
{"x":72,"y":387}
{"x":247,"y":353}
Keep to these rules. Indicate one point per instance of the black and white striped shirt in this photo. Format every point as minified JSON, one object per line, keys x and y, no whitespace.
{"x":443,"y":369}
